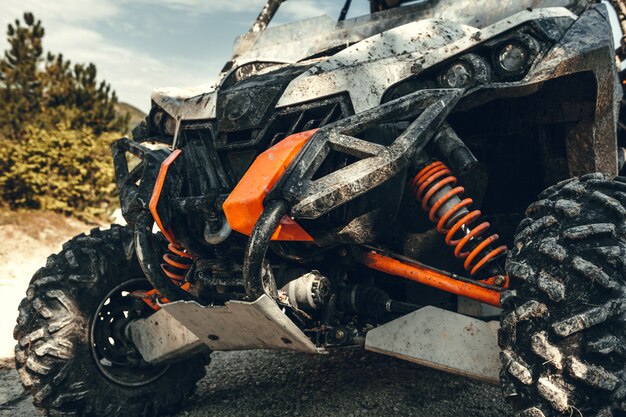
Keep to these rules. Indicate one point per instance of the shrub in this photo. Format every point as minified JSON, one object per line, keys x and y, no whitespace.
{"x":68,"y":171}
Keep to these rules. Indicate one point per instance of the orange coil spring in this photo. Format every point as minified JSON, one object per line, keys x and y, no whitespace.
{"x":428,"y":182}
{"x":177,"y":263}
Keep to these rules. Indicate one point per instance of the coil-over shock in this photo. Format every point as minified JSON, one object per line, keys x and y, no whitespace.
{"x":176,"y":263}
{"x":436,"y":189}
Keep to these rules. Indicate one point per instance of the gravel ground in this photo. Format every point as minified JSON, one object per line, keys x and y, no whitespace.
{"x":347,"y":383}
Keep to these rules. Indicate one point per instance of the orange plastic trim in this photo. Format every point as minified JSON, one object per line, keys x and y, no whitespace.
{"x":423,"y":275}
{"x":244,"y":205}
{"x":156,"y":194}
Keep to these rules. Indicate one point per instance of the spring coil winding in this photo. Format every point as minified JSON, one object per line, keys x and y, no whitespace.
{"x":176,"y":263}
{"x":435,"y":182}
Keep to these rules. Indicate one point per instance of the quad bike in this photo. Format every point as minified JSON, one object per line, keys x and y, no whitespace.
{"x":342,"y":185}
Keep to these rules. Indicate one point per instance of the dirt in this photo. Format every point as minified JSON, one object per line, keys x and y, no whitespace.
{"x":30,"y":237}
{"x":346,"y":383}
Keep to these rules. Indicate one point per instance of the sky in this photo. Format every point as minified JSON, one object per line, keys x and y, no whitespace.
{"x":140,"y":45}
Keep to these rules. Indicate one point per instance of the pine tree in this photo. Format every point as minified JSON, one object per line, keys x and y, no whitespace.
{"x":58,"y":95}
{"x":20,"y":87}
{"x":95,"y":102}
{"x":44,"y":93}
{"x":74,"y":96}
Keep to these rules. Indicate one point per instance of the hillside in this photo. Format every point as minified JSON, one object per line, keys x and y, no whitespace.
{"x":136,"y":115}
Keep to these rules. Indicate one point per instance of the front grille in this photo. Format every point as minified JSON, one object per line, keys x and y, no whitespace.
{"x":232,"y":153}
{"x":285,"y":122}
{"x":238,"y":150}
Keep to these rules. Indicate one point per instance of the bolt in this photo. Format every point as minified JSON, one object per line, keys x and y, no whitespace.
{"x":499,"y":280}
{"x":343,"y":252}
{"x":339,"y":334}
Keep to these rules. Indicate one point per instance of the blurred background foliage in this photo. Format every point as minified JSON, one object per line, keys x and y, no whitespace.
{"x":63,"y":169}
{"x":57,"y":122}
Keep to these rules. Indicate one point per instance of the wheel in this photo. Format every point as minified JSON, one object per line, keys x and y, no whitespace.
{"x":72,"y":353}
{"x":563,"y":329}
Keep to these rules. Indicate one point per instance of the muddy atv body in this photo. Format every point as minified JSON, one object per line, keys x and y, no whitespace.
{"x":377,"y":182}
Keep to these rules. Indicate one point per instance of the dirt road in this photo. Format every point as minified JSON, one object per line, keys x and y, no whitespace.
{"x":346,"y":383}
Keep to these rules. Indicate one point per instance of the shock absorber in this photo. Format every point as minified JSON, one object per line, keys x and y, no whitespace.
{"x":435,"y":188}
{"x":176,"y":263}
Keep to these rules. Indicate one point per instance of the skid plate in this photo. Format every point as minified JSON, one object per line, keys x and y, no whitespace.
{"x":161,"y":338}
{"x":241,"y":325}
{"x":443,"y":340}
{"x":182,"y":328}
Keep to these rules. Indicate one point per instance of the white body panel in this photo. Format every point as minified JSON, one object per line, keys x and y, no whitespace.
{"x":366,"y":68}
{"x":196,"y":103}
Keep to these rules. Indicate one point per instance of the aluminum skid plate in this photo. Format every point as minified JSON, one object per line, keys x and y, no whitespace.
{"x":241,"y":325}
{"x":161,"y":338}
{"x":442,"y":340}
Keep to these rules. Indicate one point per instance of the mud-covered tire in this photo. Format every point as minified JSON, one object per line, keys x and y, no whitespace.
{"x":54,"y":357}
{"x":563,"y":330}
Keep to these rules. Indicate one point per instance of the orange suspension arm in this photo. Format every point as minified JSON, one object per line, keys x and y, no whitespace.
{"x":424,"y":275}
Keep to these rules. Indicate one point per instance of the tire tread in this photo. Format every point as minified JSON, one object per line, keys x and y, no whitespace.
{"x":568,"y":257}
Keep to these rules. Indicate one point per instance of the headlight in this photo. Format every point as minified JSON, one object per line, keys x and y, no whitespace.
{"x":458,"y":75}
{"x":466,"y":71}
{"x":170,"y":125}
{"x":504,"y":59}
{"x":513,"y":58}
{"x":161,"y":123}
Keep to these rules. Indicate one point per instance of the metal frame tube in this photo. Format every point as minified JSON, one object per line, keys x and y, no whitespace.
{"x":257,"y":247}
{"x":149,"y":261}
{"x":424,"y":275}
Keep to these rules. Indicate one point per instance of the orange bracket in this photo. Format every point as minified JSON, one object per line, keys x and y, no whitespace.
{"x":244,"y":205}
{"x":153,"y":297}
{"x":424,"y":275}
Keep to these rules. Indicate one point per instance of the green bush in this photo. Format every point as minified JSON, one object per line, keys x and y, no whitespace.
{"x":68,"y":171}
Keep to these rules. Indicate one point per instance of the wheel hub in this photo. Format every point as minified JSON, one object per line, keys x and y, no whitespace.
{"x":114,"y":353}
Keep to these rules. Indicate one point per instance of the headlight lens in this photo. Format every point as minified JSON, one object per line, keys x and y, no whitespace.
{"x":466,"y":71}
{"x":161,"y":123}
{"x":513,"y":58}
{"x":457,"y":75}
{"x":170,"y":125}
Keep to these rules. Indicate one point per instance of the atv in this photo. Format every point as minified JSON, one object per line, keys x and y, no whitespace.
{"x":397,"y":181}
